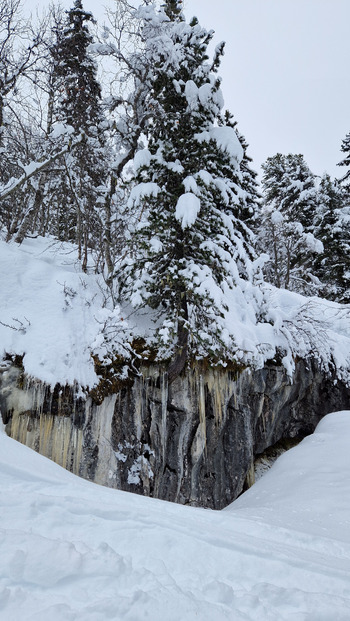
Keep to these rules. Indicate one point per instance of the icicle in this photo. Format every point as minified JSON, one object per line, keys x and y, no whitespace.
{"x":139,"y":406}
{"x":101,"y":430}
{"x":200,"y":439}
{"x":222,"y":388}
{"x":164,"y":400}
{"x":202,"y":416}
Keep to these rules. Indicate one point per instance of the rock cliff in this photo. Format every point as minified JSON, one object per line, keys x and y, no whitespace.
{"x":193,"y":441}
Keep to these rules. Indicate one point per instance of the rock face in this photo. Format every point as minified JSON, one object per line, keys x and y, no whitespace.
{"x":191,"y":442}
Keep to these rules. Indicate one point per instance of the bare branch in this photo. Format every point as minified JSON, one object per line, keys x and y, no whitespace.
{"x":32,"y":170}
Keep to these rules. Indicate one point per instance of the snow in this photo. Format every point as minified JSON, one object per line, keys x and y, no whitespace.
{"x":205,"y":176}
{"x":310,"y":328}
{"x":141,"y":190}
{"x":60,"y":129}
{"x":51,"y":311}
{"x":226,"y":139}
{"x":276,"y":217}
{"x":142,"y":158}
{"x":315,"y":245}
{"x":72,"y":550}
{"x":190,"y":184}
{"x":308,"y":488}
{"x":57,"y":316}
{"x":187,"y":209}
{"x":191,"y":94}
{"x":30,"y":168}
{"x":155,"y":244}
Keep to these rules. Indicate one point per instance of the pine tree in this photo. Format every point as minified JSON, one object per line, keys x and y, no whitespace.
{"x":289,"y":186}
{"x":78,"y":107}
{"x":345,"y":180}
{"x":332,"y":228}
{"x":173,"y":9}
{"x":251,"y":198}
{"x":250,"y":185}
{"x":75,"y":74}
{"x":190,"y":245}
{"x":287,"y":223}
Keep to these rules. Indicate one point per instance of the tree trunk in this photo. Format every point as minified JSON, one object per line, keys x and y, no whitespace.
{"x":30,"y":215}
{"x":107,"y":237}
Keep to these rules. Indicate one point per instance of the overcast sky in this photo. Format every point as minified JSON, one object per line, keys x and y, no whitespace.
{"x":285,"y":72}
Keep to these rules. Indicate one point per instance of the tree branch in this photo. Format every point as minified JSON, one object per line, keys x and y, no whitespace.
{"x":14,"y":184}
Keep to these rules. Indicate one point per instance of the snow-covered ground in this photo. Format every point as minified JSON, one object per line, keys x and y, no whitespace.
{"x":57,"y":316}
{"x":74,"y":551}
{"x":51,"y":311}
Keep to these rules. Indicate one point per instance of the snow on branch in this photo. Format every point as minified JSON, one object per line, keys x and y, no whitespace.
{"x":313,"y":329}
{"x":34,"y":168}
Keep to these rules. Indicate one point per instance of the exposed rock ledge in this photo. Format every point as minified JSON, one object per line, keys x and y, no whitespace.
{"x":193,"y":442}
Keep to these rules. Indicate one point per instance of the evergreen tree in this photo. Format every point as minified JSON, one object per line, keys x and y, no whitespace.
{"x":190,"y":245}
{"x":345,"y":148}
{"x":289,"y":186}
{"x":75,"y":74}
{"x":173,"y":9}
{"x":250,"y":185}
{"x":287,"y":223}
{"x":332,"y":227}
{"x":251,"y":198}
{"x":78,"y":106}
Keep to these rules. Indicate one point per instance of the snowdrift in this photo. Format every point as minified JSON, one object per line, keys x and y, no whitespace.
{"x":72,"y":550}
{"x":57,"y":317}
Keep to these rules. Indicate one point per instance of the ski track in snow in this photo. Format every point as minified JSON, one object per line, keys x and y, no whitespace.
{"x":71,"y":550}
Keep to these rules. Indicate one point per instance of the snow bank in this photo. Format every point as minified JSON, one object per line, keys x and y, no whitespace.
{"x":56,"y":315}
{"x":302,"y":490}
{"x":72,"y":550}
{"x":311,"y":328}
{"x":50,"y":311}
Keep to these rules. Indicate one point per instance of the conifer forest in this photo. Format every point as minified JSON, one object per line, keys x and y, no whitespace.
{"x":115,"y":139}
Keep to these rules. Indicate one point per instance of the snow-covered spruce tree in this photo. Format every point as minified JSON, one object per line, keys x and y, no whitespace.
{"x":332,"y":228}
{"x":190,"y":245}
{"x":289,"y":186}
{"x":250,"y":203}
{"x":345,"y":180}
{"x":77,"y":105}
{"x":287,"y":223}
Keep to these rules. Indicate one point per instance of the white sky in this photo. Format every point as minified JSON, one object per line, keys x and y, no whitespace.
{"x":285,"y":73}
